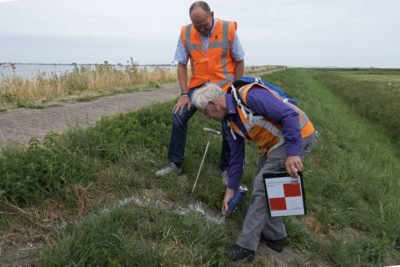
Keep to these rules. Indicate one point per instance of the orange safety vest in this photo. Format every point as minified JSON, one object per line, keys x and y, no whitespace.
{"x":263,"y":131}
{"x":217,"y":64}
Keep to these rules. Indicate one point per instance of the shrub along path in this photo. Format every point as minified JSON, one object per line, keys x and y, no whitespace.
{"x":19,"y":126}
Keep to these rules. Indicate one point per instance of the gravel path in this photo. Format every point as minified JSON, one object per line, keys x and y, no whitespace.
{"x":20,"y":125}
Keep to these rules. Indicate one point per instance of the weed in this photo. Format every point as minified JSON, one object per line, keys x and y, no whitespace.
{"x":43,"y":170}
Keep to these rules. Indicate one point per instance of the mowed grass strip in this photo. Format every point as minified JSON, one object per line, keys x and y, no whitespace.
{"x":374,"y":94}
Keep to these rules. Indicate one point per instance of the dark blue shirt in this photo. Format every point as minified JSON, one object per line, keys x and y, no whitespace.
{"x":262,"y":103}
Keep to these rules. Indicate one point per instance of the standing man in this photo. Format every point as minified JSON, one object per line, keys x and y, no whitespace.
{"x":283,"y":134}
{"x":216,"y":56}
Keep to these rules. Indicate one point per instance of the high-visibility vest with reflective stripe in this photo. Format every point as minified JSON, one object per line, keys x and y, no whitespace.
{"x":266,"y":133}
{"x":217,"y":64}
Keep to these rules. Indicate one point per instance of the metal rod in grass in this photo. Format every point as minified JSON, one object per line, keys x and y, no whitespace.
{"x":210,"y":133}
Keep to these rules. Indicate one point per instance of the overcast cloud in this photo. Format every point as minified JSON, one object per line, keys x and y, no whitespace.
{"x":345,"y":33}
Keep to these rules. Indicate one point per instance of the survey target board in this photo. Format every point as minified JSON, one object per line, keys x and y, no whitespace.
{"x":285,"y":194}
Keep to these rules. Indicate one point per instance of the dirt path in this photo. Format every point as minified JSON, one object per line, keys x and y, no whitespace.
{"x":19,"y":126}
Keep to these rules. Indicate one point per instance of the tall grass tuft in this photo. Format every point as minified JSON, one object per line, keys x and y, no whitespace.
{"x":42,"y":171}
{"x":137,"y":237}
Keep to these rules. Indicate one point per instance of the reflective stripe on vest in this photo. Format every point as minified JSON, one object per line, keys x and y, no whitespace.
{"x":303,"y":118}
{"x":265,"y":133}
{"x":216,"y":65}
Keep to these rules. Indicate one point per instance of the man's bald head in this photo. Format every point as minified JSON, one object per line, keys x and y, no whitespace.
{"x":202,"y":17}
{"x":199,"y":4}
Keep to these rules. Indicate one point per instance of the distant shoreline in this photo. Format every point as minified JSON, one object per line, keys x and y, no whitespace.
{"x":84,"y":64}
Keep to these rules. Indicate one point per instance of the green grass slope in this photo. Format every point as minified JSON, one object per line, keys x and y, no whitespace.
{"x":351,"y":180}
{"x":352,"y":177}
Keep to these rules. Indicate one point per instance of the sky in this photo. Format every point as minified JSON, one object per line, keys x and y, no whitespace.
{"x":309,"y":33}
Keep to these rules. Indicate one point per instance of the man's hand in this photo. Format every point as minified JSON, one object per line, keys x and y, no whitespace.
{"x":228,"y":195}
{"x":180,"y":105}
{"x":293,"y":165}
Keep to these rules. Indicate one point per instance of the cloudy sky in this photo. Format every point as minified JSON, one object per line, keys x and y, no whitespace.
{"x":343,"y":33}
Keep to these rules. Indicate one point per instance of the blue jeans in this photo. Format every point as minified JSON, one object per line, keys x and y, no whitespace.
{"x":176,"y":150}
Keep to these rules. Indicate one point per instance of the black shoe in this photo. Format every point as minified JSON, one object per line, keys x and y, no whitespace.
{"x":238,"y":253}
{"x":276,"y":245}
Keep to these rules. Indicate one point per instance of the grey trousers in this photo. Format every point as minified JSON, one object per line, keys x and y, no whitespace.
{"x":257,"y":217}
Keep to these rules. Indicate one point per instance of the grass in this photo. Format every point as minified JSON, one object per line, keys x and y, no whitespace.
{"x":130,"y":147}
{"x":352,"y":177}
{"x":41,"y":171}
{"x":86,"y":83}
{"x":138,"y":237}
{"x":80,"y":83}
{"x":367,"y":91}
{"x":351,"y":182}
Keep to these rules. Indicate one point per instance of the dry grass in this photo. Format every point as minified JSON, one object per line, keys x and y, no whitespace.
{"x":82,"y":81}
{"x":261,"y":70}
{"x":86,"y":82}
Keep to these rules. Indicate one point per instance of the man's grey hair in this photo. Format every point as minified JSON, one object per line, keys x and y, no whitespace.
{"x":205,"y":94}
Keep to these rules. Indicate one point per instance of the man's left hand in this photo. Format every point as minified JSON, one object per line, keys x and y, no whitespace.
{"x":293,"y":165}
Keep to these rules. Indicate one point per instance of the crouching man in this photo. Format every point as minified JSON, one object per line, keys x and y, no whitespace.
{"x":284,"y":135}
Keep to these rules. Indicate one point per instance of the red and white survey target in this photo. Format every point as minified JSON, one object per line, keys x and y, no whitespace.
{"x":285,"y":196}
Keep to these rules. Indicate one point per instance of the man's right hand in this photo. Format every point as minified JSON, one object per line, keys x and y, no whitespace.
{"x":180,"y":105}
{"x":225,"y":203}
